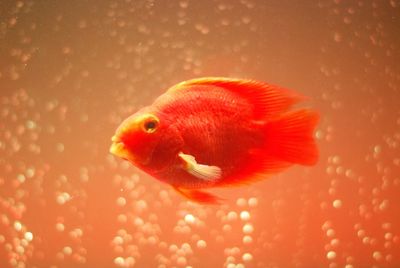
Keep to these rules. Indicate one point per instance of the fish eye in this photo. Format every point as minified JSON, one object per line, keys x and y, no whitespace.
{"x":150,"y":125}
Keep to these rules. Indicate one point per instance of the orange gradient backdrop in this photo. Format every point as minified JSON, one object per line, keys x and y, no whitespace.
{"x":71,"y":71}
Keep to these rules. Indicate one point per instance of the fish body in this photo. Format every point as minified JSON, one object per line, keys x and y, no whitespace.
{"x":217,"y":132}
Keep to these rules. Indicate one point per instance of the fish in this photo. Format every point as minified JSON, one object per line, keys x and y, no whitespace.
{"x":218,"y":132}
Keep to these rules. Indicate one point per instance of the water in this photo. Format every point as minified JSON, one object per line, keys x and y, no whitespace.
{"x":70,"y":71}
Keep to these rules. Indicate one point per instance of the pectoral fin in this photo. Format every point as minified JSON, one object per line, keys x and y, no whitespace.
{"x":204,"y":172}
{"x":198,"y":196}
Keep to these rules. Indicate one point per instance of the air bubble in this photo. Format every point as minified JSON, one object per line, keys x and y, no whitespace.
{"x":60,"y":227}
{"x":122,"y":218}
{"x":331,"y":255}
{"x":119,"y":261}
{"x":244,"y":215}
{"x":201,"y":244}
{"x":247,"y":257}
{"x":30,"y":124}
{"x":337,"y":37}
{"x":20,"y":249}
{"x":63,"y":198}
{"x":247,"y":239}
{"x":253,"y":202}
{"x":377,"y":255}
{"x":118,"y":240}
{"x":241,"y":202}
{"x":202,"y":28}
{"x":227,"y":228}
{"x":60,"y":147}
{"x":189,"y":218}
{"x":247,"y":228}
{"x":28,"y":236}
{"x":181,"y":261}
{"x":337,"y":203}
{"x":67,"y":250}
{"x":17,"y":226}
{"x":335,"y":242}
{"x":330,"y":233}
{"x":388,"y":236}
{"x":121,"y":201}
{"x":232,"y":215}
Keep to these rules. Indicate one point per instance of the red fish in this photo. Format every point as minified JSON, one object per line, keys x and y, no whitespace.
{"x":217,"y":132}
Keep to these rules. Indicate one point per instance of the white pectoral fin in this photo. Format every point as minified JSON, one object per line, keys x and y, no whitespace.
{"x":204,"y":172}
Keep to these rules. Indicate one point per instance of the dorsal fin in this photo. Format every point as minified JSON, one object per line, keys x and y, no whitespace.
{"x":268,"y":100}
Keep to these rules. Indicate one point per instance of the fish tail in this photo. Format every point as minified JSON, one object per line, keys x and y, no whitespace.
{"x":290,"y":137}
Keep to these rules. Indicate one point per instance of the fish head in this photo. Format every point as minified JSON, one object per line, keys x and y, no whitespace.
{"x":136,"y":138}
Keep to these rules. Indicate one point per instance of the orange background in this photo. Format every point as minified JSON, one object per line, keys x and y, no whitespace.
{"x":71,"y":71}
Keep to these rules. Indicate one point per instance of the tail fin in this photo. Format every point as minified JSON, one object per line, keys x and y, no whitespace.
{"x":290,"y":137}
{"x":288,"y":140}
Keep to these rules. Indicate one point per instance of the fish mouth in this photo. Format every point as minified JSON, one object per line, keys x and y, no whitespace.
{"x":118,"y":148}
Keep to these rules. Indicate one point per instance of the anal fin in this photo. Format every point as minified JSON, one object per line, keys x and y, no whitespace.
{"x":198,"y":196}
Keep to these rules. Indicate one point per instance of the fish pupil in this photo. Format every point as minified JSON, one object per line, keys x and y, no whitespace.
{"x":150,"y":126}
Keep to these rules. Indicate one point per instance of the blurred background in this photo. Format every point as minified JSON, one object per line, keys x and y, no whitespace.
{"x":71,"y":71}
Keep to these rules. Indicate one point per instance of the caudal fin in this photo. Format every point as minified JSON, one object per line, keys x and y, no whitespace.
{"x":290,"y":137}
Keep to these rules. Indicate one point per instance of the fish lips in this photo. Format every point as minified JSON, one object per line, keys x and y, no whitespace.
{"x":118,"y":148}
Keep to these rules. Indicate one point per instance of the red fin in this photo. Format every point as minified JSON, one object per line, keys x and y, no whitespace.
{"x":288,"y":140}
{"x":268,"y":100}
{"x":198,"y":196}
{"x":290,"y":137}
